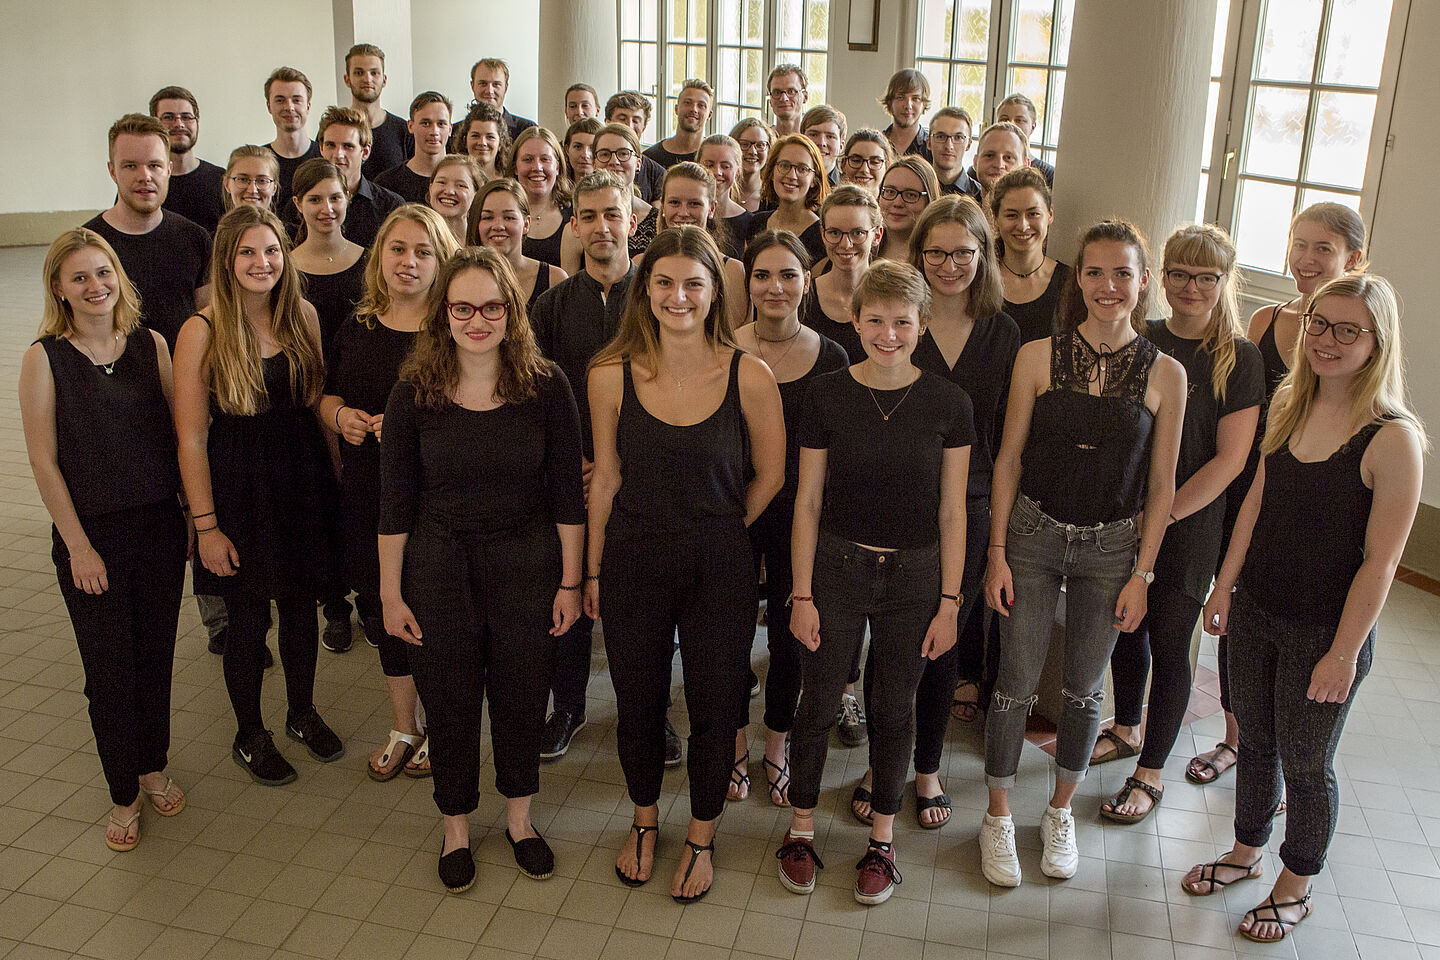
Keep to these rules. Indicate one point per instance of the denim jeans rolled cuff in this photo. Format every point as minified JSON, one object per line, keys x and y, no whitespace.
{"x":1094,"y":564}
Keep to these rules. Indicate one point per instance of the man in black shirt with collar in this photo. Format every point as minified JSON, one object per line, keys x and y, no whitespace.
{"x":195,"y":184}
{"x":345,"y":141}
{"x":490,"y":81}
{"x":949,"y":140}
{"x":390,"y":142}
{"x":692,"y":112}
{"x":1020,"y":110}
{"x":287,"y":98}
{"x":572,"y":321}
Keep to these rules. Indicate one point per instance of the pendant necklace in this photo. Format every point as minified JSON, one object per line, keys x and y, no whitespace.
{"x":109,"y":368}
{"x":883,"y":415}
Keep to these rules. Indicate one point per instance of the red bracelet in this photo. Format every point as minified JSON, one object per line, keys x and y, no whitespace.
{"x":796,"y":599}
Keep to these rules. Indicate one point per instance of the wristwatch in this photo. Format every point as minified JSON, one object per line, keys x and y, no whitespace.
{"x":1147,"y":575}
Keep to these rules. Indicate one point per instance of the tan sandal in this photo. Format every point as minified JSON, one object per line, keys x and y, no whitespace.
{"x":174,"y":807}
{"x":121,"y":846}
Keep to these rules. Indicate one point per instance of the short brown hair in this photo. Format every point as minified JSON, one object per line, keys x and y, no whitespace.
{"x":781,"y":69}
{"x":628,"y":100}
{"x":139,"y":125}
{"x":491,"y":63}
{"x":585,"y":87}
{"x":823,"y":113}
{"x":289,"y":75}
{"x":365,"y":50}
{"x":427,"y":98}
{"x":953,"y":113}
{"x":1023,"y":101}
{"x":174,"y":93}
{"x":893,"y":280}
{"x":695,"y":83}
{"x":345,"y":117}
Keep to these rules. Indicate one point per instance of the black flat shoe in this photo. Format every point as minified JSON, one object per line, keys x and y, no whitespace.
{"x":457,"y":869}
{"x":533,"y":856}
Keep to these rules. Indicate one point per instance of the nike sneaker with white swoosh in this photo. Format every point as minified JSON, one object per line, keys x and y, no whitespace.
{"x":257,"y":754}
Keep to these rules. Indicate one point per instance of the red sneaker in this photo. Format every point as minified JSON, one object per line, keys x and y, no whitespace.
{"x":878,"y":875}
{"x":798,"y":863}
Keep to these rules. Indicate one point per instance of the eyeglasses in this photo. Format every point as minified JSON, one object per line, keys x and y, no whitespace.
{"x":910,"y":196}
{"x":959,"y":139}
{"x":834,"y":235}
{"x":791,"y":93}
{"x":1347,"y":333}
{"x":462,"y":311}
{"x":857,"y":161}
{"x":177,"y":118}
{"x":962,"y":257}
{"x":1204,"y":282}
{"x":783,"y":167}
{"x":754,"y":146}
{"x":624,"y":155}
{"x":245,"y":180}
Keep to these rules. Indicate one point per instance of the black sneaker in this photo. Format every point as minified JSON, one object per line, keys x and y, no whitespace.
{"x":457,"y":869}
{"x":318,"y":738}
{"x":337,"y":636}
{"x":257,"y":754}
{"x":217,"y":642}
{"x":559,"y":728}
{"x":672,"y":745}
{"x":374,"y":630}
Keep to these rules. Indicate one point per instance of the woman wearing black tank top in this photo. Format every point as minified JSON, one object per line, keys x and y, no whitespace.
{"x":1023,"y":211}
{"x":1306,"y":576}
{"x":500,"y":218}
{"x":537,"y":163}
{"x":689,"y":450}
{"x":95,"y":403}
{"x":688,"y":197}
{"x":1091,"y":437}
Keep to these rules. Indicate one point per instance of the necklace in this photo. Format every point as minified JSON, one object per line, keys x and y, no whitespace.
{"x":680,"y":381}
{"x":790,"y":341}
{"x":109,"y":368}
{"x":1022,"y":276}
{"x":883,"y":415}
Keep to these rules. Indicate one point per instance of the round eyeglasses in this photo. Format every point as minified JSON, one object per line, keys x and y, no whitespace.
{"x":1344,"y":332}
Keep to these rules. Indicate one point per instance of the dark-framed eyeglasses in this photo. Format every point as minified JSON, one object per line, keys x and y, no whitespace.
{"x":754,"y":146}
{"x":462,"y":311}
{"x":624,"y":155}
{"x":1204,"y":282}
{"x":1344,"y":331}
{"x":959,"y":139}
{"x":963,"y":257}
{"x":784,"y":167}
{"x":856,"y":161}
{"x":835,"y":235}
{"x":909,"y":196}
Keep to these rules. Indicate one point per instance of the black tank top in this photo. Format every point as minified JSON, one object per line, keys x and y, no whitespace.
{"x":1275,"y":368}
{"x":673,"y":479}
{"x":1087,"y":458}
{"x":547,"y":249}
{"x":1309,"y":538}
{"x":334,"y":295}
{"x":115,"y":439}
{"x":542,"y":283}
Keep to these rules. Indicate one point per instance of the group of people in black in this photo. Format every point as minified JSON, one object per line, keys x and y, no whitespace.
{"x":620,"y":382}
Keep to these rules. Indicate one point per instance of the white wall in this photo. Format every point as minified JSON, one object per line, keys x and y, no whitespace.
{"x":857,"y":78}
{"x":448,"y":36}
{"x":70,"y":68}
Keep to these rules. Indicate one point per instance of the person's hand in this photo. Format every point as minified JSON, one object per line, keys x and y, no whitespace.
{"x":1130,"y":608}
{"x":1215,"y":619}
{"x":565,"y":611}
{"x":399,"y":621}
{"x":999,"y":587}
{"x":1331,"y":680}
{"x":89,"y":571}
{"x":805,"y":623}
{"x":354,"y":425}
{"x":592,"y":599}
{"x":940,"y":636}
{"x":217,"y":553}
{"x":375,"y":423}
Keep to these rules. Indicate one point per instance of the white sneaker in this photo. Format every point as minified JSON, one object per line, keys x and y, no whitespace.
{"x":1057,"y":831}
{"x":997,"y":851}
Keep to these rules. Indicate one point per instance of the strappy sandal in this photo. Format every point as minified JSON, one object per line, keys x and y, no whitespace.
{"x":174,"y":807}
{"x":857,"y":796}
{"x":779,"y":784}
{"x":966,"y":711}
{"x":1203,"y":771}
{"x":1207,"y":875}
{"x":739,"y":787}
{"x":939,"y":801}
{"x":1285,"y":925}
{"x":1156,"y":794}
{"x":639,"y":855}
{"x":695,"y":851}
{"x":121,"y":846}
{"x":418,"y":766}
{"x":408,"y":745}
{"x":1123,"y":749}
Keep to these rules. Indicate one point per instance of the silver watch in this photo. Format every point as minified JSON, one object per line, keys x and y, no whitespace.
{"x":1147,"y":575}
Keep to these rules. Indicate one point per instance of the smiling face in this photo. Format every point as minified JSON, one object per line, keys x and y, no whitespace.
{"x":476,"y":335}
{"x":777,"y":283}
{"x":180,"y":122}
{"x":614,"y":153}
{"x":140,"y":166}
{"x":407,"y":260}
{"x":997,"y":154}
{"x":723,"y":163}
{"x":430,"y":126}
{"x":502,"y":223}
{"x":365,"y":78}
{"x":956,"y":271}
{"x":251,"y":180}
{"x":685,"y":201}
{"x":1318,"y":256}
{"x":89,"y":283}
{"x":754,"y":149}
{"x":1112,"y":280}
{"x":289,"y":105}
{"x":899,"y":212}
{"x":1327,"y":355}
{"x":794,"y":174}
{"x":1188,"y":299}
{"x":681,"y":291}
{"x":828,"y":140}
{"x":787,"y":96}
{"x":259,"y":260}
{"x":889,"y":331}
{"x":451,"y":191}
{"x":1024,"y":220}
{"x":864,"y":165}
{"x":536,"y":168}
{"x":323,"y":207}
{"x":482,"y":141}
{"x":489,"y":85}
{"x":850,"y":236}
{"x":692,"y":110}
{"x":580,"y":151}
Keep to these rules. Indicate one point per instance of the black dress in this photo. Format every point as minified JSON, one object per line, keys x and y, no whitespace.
{"x":334,"y":295}
{"x":811,"y":236}
{"x":547,"y":249}
{"x":1036,"y":318}
{"x":272,"y":483}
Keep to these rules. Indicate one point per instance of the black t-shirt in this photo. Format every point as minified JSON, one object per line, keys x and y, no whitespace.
{"x":649,"y":179}
{"x":665,"y":158}
{"x":392,"y":144}
{"x":407,"y":183}
{"x":1037,"y":318}
{"x":882,"y":477}
{"x":792,"y":401}
{"x":1191,"y":546}
{"x":166,"y":265}
{"x":288,"y":166}
{"x":197,"y":195}
{"x":983,"y":371}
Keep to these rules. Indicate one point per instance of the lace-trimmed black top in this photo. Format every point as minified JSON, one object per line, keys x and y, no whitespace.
{"x":1086,"y":460}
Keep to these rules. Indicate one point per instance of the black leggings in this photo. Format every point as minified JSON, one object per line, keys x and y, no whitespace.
{"x":770,"y":538}
{"x":244,"y":661}
{"x":1163,"y":638}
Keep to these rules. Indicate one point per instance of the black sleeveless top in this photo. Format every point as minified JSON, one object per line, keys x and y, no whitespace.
{"x":547,"y":249}
{"x":1275,"y":368}
{"x":673,"y":479}
{"x":334,"y":295}
{"x":542,"y":283}
{"x":1036,"y":318}
{"x":1087,"y":458}
{"x":115,"y":439}
{"x":1309,"y":538}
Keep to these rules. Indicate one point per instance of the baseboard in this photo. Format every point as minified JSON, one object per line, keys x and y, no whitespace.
{"x":27,"y":229}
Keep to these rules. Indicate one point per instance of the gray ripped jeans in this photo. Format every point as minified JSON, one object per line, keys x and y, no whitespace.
{"x":1094,"y":564}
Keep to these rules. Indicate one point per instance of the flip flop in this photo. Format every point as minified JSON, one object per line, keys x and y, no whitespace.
{"x":695,"y":851}
{"x":1156,"y":794}
{"x":175,"y":807}
{"x":121,"y":846}
{"x":1203,"y":771}
{"x":408,"y":744}
{"x":639,"y":855}
{"x":418,"y":766}
{"x":1123,"y":749}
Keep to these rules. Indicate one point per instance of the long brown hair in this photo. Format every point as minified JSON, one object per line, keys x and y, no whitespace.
{"x":1073,"y":310}
{"x":58,"y":319}
{"x":819,"y":183}
{"x":434,"y":366}
{"x":986,"y":294}
{"x":237,"y":380}
{"x":376,"y":300}
{"x":498,"y":185}
{"x":639,"y":333}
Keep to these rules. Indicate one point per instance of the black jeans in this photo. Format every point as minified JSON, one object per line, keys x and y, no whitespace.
{"x":1271,"y":661}
{"x":1163,"y":638}
{"x":571,"y":674}
{"x":896,"y":593}
{"x":126,"y":637}
{"x":770,"y":538}
{"x":484,"y":605}
{"x":703,"y":586}
{"x":244,"y":661}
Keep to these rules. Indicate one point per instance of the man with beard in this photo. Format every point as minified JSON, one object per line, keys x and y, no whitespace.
{"x":906,"y":99}
{"x":692,"y":113}
{"x":287,"y":98}
{"x":391,"y":142}
{"x":195,"y":184}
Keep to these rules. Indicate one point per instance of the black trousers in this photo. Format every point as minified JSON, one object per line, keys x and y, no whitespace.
{"x":571,"y":674}
{"x":1162,"y":639}
{"x":770,"y":541}
{"x":126,"y":637}
{"x":484,"y":605}
{"x":704,"y":587}
{"x":244,"y":660}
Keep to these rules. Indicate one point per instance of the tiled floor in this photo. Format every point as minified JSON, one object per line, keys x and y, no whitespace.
{"x":337,"y":866}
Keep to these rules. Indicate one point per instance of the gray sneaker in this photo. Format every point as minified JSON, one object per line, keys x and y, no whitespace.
{"x":850,"y":724}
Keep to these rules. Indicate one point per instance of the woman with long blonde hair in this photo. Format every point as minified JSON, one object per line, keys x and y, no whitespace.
{"x":95,"y":404}
{"x":1334,"y":499}
{"x":248,"y":376}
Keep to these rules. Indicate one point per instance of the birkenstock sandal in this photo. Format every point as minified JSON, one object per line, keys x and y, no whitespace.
{"x":408,"y":744}
{"x":1156,"y":794}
